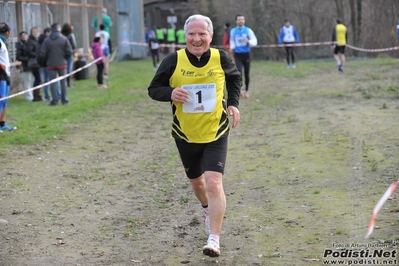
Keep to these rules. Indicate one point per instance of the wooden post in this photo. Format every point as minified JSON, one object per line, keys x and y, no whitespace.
{"x":43,"y":11}
{"x":85,"y":28}
{"x":99,"y":13}
{"x":67,"y":14}
{"x":19,"y":18}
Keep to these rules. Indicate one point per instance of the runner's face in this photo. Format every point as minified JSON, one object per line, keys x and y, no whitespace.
{"x":240,"y":21}
{"x":198,"y":38}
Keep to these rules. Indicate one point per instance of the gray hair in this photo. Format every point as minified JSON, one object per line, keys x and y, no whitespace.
{"x":199,"y":17}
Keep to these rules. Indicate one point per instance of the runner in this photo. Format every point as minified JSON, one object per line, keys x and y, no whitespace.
{"x":241,"y":39}
{"x":193,"y":80}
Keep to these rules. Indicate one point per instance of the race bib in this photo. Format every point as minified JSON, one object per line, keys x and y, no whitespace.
{"x":202,"y":98}
{"x":240,"y":40}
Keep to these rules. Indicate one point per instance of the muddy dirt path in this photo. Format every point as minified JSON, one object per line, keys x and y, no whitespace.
{"x":311,"y":157}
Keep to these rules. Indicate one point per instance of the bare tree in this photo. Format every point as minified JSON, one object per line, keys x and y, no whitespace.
{"x":358,"y":21}
{"x":354,"y":24}
{"x":340,"y":9}
{"x":371,"y":24}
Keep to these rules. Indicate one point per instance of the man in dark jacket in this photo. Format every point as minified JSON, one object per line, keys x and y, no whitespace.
{"x":54,"y":53}
{"x":23,"y":57}
{"x":43,"y":68}
{"x":32,"y":49}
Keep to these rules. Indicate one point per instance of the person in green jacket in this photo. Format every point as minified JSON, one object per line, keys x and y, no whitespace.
{"x":107,"y":21}
{"x":160,"y":35}
{"x":181,"y":39}
{"x":171,"y":39}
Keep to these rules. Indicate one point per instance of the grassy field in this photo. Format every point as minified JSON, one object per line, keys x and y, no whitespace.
{"x":99,"y":182}
{"x":38,"y":122}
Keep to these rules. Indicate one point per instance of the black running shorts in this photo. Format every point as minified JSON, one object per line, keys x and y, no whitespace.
{"x":339,"y":49}
{"x":200,"y":157}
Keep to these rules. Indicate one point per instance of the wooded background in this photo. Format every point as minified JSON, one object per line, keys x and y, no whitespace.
{"x":371,"y":24}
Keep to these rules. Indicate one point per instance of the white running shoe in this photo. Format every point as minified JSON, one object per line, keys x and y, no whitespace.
{"x":211,"y":249}
{"x":207,"y":223}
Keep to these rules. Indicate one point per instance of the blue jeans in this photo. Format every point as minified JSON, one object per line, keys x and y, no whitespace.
{"x":44,"y":74}
{"x":69,"y":68}
{"x":55,"y":96}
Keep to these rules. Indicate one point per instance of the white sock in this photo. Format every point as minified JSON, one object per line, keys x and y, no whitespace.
{"x":214,"y":238}
{"x":339,"y":63}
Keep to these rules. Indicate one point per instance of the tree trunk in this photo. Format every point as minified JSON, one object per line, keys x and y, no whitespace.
{"x":358,"y":20}
{"x":353,"y":24}
{"x":340,"y":9}
{"x":301,"y":22}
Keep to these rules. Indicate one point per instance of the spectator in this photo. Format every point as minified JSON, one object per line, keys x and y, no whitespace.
{"x":171,"y":38}
{"x":160,"y":34}
{"x":23,"y":57}
{"x":4,"y":76}
{"x":97,"y":52}
{"x":104,"y":35}
{"x":154,"y":46}
{"x":148,"y":33}
{"x":288,"y":36}
{"x":54,"y":53}
{"x":67,"y":31}
{"x":226,"y":39}
{"x":43,"y":68}
{"x":181,"y":39}
{"x":32,"y":49}
{"x":107,"y":22}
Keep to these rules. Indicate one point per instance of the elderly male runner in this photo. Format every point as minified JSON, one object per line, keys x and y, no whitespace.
{"x":193,"y":80}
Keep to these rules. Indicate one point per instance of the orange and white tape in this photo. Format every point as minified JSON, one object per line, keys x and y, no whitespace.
{"x":380,"y":203}
{"x":307,"y":44}
{"x":373,"y":50}
{"x":294,"y":44}
{"x":51,"y":81}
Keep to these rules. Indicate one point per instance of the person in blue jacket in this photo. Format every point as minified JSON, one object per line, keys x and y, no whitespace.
{"x":288,"y":35}
{"x":397,"y":29}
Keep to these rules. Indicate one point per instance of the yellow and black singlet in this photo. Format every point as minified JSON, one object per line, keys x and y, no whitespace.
{"x":340,"y":32}
{"x":203,"y":118}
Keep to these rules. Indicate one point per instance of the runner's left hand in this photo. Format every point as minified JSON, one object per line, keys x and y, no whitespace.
{"x":235,"y":113}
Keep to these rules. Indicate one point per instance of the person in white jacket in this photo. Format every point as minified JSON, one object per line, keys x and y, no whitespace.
{"x":4,"y":75}
{"x":241,"y":40}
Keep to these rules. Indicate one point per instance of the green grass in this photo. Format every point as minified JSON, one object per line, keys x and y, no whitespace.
{"x":39,"y":122}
